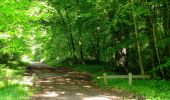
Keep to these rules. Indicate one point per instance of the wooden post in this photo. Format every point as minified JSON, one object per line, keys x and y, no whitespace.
{"x":105,"y":78}
{"x":6,"y":81}
{"x":6,"y":78}
{"x":34,"y":79}
{"x":130,"y":78}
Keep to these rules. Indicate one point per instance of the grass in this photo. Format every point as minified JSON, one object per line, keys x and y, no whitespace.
{"x":14,"y":91}
{"x":59,"y":62}
{"x":94,"y":70}
{"x":150,"y":89}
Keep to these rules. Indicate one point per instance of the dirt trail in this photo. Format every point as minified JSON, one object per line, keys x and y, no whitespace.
{"x":65,"y":84}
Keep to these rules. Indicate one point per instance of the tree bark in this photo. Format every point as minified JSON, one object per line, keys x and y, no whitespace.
{"x":155,"y":45}
{"x":166,"y":23}
{"x":68,"y":34}
{"x":71,"y":39}
{"x":137,"y":39}
{"x":79,"y":26}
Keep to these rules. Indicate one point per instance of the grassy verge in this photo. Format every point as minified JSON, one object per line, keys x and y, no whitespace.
{"x":15,"y":90}
{"x":94,"y":70}
{"x":150,"y":89}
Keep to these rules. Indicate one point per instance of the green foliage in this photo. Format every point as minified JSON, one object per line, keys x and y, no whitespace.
{"x":94,"y":70}
{"x":150,"y":89}
{"x":96,"y":30}
{"x":83,"y":31}
{"x":91,"y":68}
{"x":166,"y":64}
{"x":10,"y":72}
{"x":14,"y":92}
{"x":60,"y":62}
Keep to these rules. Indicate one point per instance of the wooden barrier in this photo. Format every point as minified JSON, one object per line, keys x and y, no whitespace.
{"x":129,"y":76}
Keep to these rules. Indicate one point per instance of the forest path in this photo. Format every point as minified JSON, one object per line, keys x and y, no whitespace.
{"x":64,"y":84}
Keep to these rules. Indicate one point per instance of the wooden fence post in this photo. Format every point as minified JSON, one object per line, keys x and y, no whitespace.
{"x":34,"y":79}
{"x":6,"y":81}
{"x":130,"y":78}
{"x":105,"y":78}
{"x":6,"y":78}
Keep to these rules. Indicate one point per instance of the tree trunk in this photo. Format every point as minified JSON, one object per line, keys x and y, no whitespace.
{"x":155,"y":45}
{"x":166,"y":23}
{"x":79,"y":26}
{"x":71,"y":39}
{"x":68,"y":34}
{"x":137,"y":39}
{"x":151,"y":45}
{"x":97,"y":47}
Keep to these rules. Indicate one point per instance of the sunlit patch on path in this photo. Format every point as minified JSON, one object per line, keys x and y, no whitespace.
{"x":64,"y":84}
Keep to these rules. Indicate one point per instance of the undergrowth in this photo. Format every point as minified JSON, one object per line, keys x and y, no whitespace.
{"x":14,"y":90}
{"x":151,"y":89}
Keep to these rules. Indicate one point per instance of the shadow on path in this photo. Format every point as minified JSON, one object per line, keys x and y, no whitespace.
{"x":65,"y":84}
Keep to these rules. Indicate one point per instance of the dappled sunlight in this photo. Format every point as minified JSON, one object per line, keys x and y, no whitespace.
{"x":68,"y":85}
{"x":68,"y":79}
{"x":25,"y":58}
{"x":80,"y":40}
{"x":61,"y":84}
{"x":50,"y":94}
{"x":79,"y":94}
{"x":16,"y":81}
{"x":5,"y":36}
{"x":27,"y":80}
{"x":96,"y":98}
{"x":87,"y":86}
{"x":102,"y":98}
{"x":44,"y":81}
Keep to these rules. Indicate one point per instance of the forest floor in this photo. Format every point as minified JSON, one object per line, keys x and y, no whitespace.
{"x":64,"y":84}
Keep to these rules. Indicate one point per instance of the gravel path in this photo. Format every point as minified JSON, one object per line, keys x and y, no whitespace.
{"x":64,"y":84}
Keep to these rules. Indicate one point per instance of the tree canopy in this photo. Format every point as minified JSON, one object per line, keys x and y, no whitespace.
{"x":129,"y":35}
